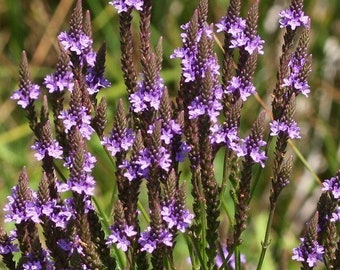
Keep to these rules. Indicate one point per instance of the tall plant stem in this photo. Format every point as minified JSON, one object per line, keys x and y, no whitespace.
{"x":266,"y":241}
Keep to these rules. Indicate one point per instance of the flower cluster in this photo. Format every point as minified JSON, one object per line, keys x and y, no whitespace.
{"x":125,"y":5}
{"x":240,"y":37}
{"x":310,"y":253}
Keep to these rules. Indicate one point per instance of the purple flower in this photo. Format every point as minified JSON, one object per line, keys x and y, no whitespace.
{"x":333,"y":186}
{"x":150,"y":239}
{"x":293,"y":18}
{"x":310,"y":253}
{"x":59,"y":81}
{"x":51,"y":149}
{"x":147,"y":97}
{"x":80,"y":44}
{"x":95,"y":82}
{"x":16,"y":208}
{"x":125,"y":5}
{"x":60,"y":215}
{"x":120,"y":235}
{"x":220,"y":259}
{"x":72,"y":246}
{"x":182,"y":152}
{"x":137,"y":167}
{"x":77,"y":117}
{"x":296,"y":81}
{"x":241,"y":87}
{"x":176,"y":216}
{"x":26,"y":95}
{"x":335,"y":215}
{"x":8,"y":246}
{"x":250,"y":147}
{"x":35,"y":265}
{"x":118,"y":141}
{"x":240,"y":38}
{"x":280,"y":126}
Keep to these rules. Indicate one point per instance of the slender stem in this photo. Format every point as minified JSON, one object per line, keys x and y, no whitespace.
{"x":237,"y":258}
{"x":266,"y":241}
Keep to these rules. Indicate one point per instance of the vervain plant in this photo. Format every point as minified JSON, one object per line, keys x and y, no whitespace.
{"x":61,"y":226}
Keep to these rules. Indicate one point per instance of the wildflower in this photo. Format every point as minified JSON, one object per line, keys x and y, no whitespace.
{"x":176,"y":216}
{"x":125,"y":5}
{"x":150,"y":239}
{"x":293,"y":17}
{"x":79,"y":117}
{"x":118,"y":141}
{"x":291,"y":129}
{"x":240,"y":37}
{"x":309,"y":252}
{"x":333,"y":186}
{"x":52,"y":149}
{"x":26,"y":95}
{"x":120,"y":236}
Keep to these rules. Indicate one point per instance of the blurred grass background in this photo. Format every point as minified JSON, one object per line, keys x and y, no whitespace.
{"x":33,"y":26}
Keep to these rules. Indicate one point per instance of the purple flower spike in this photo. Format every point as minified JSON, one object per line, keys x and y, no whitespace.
{"x":18,"y":210}
{"x":309,"y":254}
{"x":59,"y":82}
{"x":295,"y":81}
{"x":118,"y":143}
{"x":236,"y":28}
{"x":251,"y":148}
{"x":78,"y":43}
{"x":150,"y":239}
{"x":125,"y":5}
{"x":333,"y":186}
{"x":240,"y":86}
{"x":292,"y":129}
{"x":78,"y":117}
{"x":8,"y":246}
{"x":120,"y":236}
{"x":176,"y":217}
{"x":293,"y":18}
{"x":26,"y":95}
{"x":52,"y":150}
{"x":95,"y":82}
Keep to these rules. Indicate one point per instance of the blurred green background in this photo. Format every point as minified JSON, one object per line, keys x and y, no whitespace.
{"x":32,"y":25}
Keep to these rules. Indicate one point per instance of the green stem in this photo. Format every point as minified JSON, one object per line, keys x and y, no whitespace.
{"x":237,"y":258}
{"x":266,"y":242}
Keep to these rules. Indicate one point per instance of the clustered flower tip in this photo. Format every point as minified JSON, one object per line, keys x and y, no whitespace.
{"x":126,"y":5}
{"x":26,"y":95}
{"x":293,"y":18}
{"x":239,"y":37}
{"x":309,"y":253}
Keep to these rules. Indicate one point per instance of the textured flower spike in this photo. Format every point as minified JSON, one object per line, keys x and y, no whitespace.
{"x":309,"y":252}
{"x":294,"y":16}
{"x":328,"y":208}
{"x":7,"y":248}
{"x":286,"y":127}
{"x":62,"y":79}
{"x":127,"y":5}
{"x":126,"y":45}
{"x":281,"y":179}
{"x":77,"y":115}
{"x":21,"y":209}
{"x":121,"y":234}
{"x":99,"y":120}
{"x":27,"y":92}
{"x":80,"y":164}
{"x":252,"y":154}
{"x":95,"y":75}
{"x":121,"y":137}
{"x":76,"y":41}
{"x":300,"y":67}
